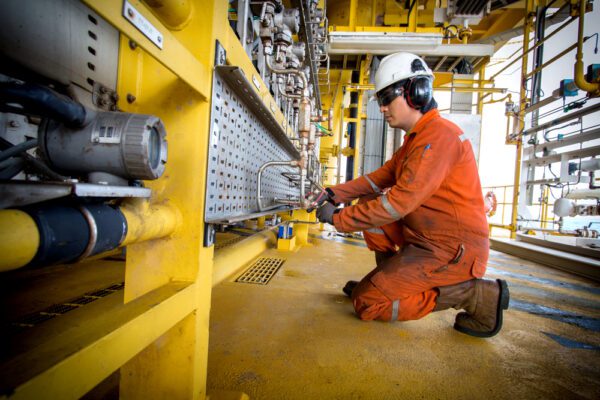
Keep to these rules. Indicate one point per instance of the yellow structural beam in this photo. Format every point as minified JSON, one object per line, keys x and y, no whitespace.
{"x":174,"y":56}
{"x":19,"y":239}
{"x":175,"y":14}
{"x":97,"y":348}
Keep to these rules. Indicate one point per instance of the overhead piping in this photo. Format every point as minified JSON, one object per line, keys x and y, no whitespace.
{"x":592,"y":88}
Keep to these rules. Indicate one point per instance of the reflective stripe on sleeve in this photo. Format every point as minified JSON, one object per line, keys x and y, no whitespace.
{"x":395,"y":307}
{"x":373,"y":185}
{"x":389,"y":208}
{"x":376,"y":231}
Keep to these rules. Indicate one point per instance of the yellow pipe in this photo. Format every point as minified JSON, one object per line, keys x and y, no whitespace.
{"x":174,"y":14}
{"x":580,"y":81}
{"x":230,"y":260}
{"x":19,"y":239}
{"x":146,"y":222}
{"x":523,"y":100}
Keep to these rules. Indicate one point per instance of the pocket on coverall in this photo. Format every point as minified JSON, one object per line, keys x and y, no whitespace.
{"x":478,"y":268}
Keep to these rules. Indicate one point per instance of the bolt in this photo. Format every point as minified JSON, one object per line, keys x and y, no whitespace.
{"x":132,"y":45}
{"x":130,"y":98}
{"x":13,"y":124}
{"x":130,"y":13}
{"x":159,"y":39}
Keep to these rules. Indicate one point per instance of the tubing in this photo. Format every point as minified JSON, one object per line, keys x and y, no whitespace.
{"x":40,"y":100}
{"x":259,"y":180}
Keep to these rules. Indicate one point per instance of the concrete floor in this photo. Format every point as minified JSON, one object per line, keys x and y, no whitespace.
{"x":297,"y":337}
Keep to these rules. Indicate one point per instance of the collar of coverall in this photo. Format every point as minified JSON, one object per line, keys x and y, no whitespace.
{"x":424,"y":120}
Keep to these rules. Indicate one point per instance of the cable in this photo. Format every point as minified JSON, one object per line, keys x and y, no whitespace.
{"x":18,"y":149}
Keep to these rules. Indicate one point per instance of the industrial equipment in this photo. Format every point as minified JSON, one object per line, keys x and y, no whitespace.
{"x":175,"y":138}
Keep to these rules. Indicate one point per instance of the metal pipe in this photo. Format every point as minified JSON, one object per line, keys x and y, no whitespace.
{"x":288,"y":71}
{"x":540,"y":43}
{"x":147,"y":222}
{"x":564,"y":118}
{"x":553,"y":59}
{"x":19,"y":239}
{"x":522,"y":100}
{"x":580,"y":81}
{"x":471,"y":90}
{"x":262,"y":168}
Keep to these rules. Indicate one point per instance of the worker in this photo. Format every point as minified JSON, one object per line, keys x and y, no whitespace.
{"x":422,"y":213}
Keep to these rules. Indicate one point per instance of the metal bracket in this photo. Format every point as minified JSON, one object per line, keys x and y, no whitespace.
{"x":209,"y":235}
{"x":220,"y":54}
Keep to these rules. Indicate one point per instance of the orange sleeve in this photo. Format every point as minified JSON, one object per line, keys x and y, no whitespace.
{"x":423,"y":172}
{"x":375,"y":182}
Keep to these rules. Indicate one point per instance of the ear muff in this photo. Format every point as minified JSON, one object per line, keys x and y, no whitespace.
{"x":419,"y":91}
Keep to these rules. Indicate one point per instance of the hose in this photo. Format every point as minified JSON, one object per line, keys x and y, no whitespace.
{"x":18,"y":149}
{"x":15,"y":166}
{"x":40,"y":100}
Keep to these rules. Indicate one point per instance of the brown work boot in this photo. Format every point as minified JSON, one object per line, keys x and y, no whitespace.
{"x":483,"y":300}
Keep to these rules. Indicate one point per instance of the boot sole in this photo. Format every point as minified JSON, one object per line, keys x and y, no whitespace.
{"x":502,"y":305}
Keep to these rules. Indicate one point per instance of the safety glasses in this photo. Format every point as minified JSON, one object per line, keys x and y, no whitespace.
{"x":387,"y":95}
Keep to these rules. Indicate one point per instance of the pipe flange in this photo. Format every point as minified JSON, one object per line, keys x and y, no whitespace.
{"x":93,"y":234}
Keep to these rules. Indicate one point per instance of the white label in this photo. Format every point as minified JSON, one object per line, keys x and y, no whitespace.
{"x":256,"y":81}
{"x":139,"y":21}
{"x":106,"y":134}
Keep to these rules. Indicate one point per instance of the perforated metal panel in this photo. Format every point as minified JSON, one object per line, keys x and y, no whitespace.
{"x":244,"y":136}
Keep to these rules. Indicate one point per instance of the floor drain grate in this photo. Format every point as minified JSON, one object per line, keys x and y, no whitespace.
{"x":261,"y":271}
{"x":31,"y":320}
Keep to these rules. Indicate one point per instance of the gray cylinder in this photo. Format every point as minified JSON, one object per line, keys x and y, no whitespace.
{"x":132,"y":146}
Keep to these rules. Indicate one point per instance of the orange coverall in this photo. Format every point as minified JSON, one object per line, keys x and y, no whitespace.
{"x":427,"y":202}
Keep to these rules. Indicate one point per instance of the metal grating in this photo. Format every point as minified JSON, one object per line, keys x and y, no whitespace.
{"x":31,"y":320}
{"x":244,"y":135}
{"x":261,"y":271}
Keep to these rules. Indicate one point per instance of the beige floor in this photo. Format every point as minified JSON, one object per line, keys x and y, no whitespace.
{"x":297,"y":337}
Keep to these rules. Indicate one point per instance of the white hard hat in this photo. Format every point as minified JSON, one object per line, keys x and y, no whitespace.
{"x":399,"y":66}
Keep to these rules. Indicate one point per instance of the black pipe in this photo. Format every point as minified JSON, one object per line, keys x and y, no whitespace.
{"x":40,"y":100}
{"x":69,"y":232}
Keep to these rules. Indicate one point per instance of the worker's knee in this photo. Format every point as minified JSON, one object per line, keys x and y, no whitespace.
{"x":369,"y":302}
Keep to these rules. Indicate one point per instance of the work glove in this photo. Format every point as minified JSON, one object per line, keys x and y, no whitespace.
{"x":325,"y":213}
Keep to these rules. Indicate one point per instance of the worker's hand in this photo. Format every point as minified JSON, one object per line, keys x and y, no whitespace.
{"x":318,"y":198}
{"x":325,"y":213}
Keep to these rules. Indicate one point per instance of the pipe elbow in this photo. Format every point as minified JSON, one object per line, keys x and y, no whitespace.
{"x":589,"y":87}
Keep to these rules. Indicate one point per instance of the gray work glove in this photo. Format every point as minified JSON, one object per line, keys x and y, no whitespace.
{"x":326,"y":211}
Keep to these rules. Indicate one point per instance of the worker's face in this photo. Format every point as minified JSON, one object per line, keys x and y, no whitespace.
{"x":396,"y":112}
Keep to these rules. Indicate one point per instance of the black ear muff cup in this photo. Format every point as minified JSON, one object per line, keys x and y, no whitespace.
{"x":419,"y":92}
